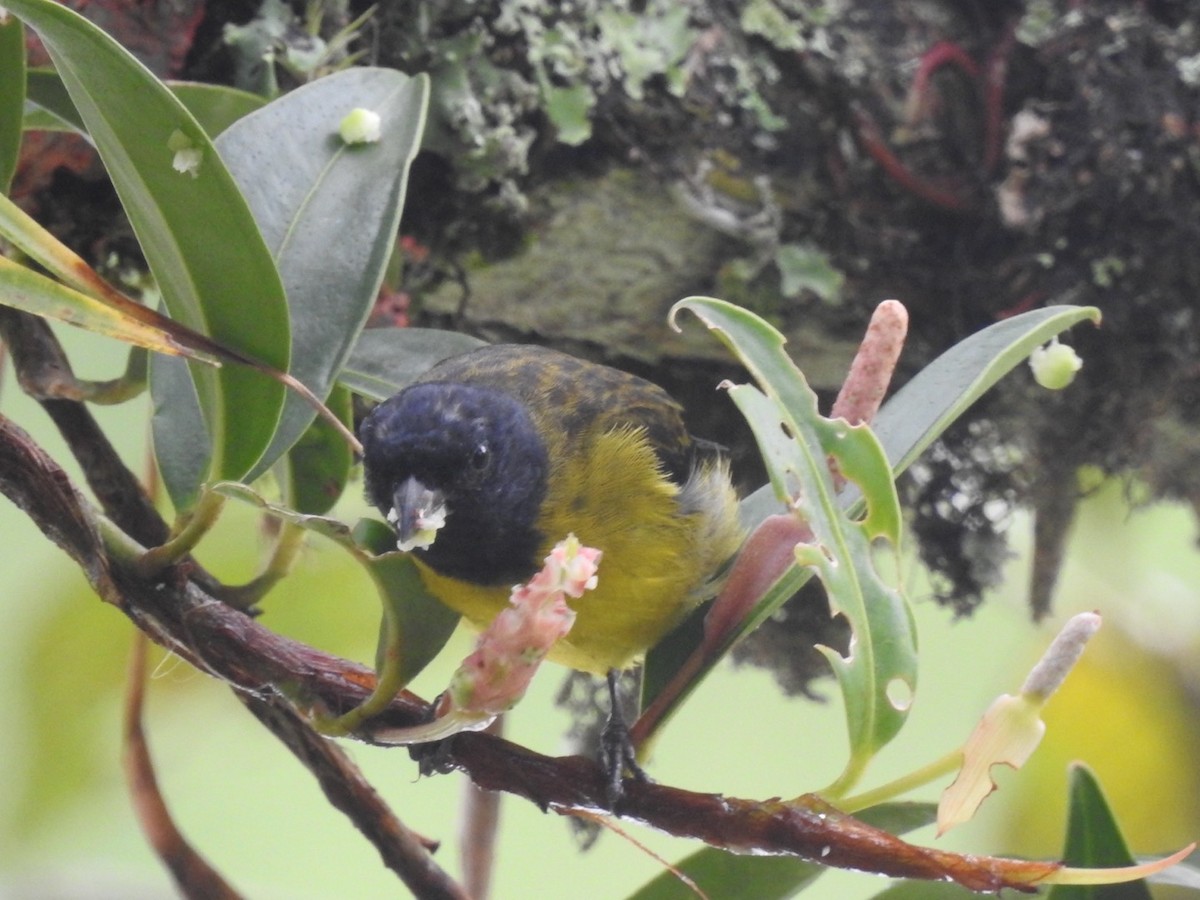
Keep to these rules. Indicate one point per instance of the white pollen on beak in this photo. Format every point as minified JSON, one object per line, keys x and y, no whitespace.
{"x":427,"y":522}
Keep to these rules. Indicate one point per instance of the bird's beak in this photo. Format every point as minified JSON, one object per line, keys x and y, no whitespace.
{"x":417,"y":513}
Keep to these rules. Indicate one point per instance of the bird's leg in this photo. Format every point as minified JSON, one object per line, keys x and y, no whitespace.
{"x":617,"y":755}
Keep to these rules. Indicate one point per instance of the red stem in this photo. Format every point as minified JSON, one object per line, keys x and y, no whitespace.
{"x":872,"y":141}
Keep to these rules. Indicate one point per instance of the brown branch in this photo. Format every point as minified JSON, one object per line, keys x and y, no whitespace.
{"x":232,"y":646}
{"x":403,"y":851}
{"x":871,"y":139}
{"x":41,"y":489}
{"x":808,"y":827}
{"x":42,"y":365}
{"x":42,"y":369}
{"x":188,"y":620}
{"x":183,"y":618}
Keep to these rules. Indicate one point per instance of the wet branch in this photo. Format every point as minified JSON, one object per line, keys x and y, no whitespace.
{"x":232,"y":646}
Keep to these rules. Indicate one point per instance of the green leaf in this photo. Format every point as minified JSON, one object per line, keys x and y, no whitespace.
{"x":415,"y":624}
{"x":721,"y":874}
{"x":802,"y":266}
{"x":329,"y":212}
{"x":386,"y":359}
{"x":207,"y":255}
{"x":796,"y":443}
{"x":925,"y":407}
{"x":319,"y":464}
{"x":183,"y":457}
{"x":48,"y":106}
{"x":215,"y":106}
{"x":1094,"y":841}
{"x":12,"y":96}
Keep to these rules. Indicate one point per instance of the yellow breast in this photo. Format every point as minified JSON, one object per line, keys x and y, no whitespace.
{"x":661,"y":545}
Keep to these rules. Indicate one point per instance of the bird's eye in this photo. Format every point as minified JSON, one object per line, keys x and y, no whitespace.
{"x":480,"y":456}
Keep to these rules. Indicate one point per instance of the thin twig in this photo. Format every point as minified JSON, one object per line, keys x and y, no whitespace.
{"x":193,"y":874}
{"x":870,"y":137}
{"x":40,"y":364}
{"x":477,"y":835}
{"x":403,"y":851}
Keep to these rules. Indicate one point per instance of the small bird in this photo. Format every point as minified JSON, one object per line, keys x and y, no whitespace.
{"x":514,"y":447}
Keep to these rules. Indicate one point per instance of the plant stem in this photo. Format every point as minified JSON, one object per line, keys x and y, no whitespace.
{"x":905,"y":783}
{"x":287,"y":547}
{"x":195,"y":525}
{"x":118,"y":390}
{"x":391,"y":680}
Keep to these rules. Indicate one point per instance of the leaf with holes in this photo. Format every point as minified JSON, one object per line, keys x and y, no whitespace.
{"x":798,"y":446}
{"x":908,"y":423}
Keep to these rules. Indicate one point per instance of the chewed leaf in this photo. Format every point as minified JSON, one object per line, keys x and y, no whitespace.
{"x":1007,"y":734}
{"x":1012,"y":727}
{"x":798,"y":446}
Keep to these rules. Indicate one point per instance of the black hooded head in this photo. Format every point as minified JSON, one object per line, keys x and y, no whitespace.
{"x":478,"y":450}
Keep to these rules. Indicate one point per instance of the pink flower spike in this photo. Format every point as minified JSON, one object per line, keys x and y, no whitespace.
{"x":871,"y":370}
{"x":495,"y":676}
{"x":576,"y":566}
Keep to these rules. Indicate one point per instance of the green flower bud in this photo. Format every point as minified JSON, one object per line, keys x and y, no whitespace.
{"x":360,"y":126}
{"x":187,"y":155}
{"x":1054,"y":366}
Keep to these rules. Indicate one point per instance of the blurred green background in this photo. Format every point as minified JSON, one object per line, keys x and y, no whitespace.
{"x":66,"y":827}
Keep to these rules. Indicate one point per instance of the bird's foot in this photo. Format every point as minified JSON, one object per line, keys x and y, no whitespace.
{"x":617,"y":753}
